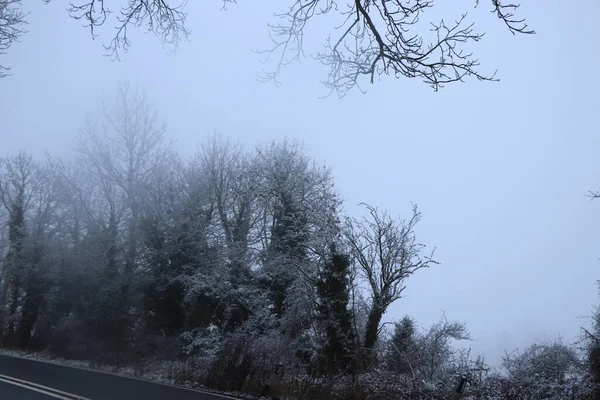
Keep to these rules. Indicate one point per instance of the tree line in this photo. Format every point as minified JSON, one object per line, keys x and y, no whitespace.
{"x":218,"y":267}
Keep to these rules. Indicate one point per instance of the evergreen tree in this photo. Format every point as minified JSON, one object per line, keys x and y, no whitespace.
{"x":402,"y":345}
{"x":334,"y":315}
{"x":15,"y":260}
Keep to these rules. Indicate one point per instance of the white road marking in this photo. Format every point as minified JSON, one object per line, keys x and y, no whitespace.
{"x":99,"y":371}
{"x":36,"y":387}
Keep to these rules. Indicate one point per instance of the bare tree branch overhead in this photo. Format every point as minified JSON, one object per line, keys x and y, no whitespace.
{"x":380,"y":38}
{"x":376,"y":37}
{"x":12,"y":19}
{"x":159,"y":16}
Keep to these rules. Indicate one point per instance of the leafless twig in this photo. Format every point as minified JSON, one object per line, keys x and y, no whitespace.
{"x":158,"y":16}
{"x":514,"y":25}
{"x":593,"y":195}
{"x":12,"y":18}
{"x":380,"y":37}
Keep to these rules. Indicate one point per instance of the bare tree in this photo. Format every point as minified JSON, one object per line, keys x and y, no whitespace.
{"x":227,"y":169}
{"x":136,"y":140}
{"x":123,"y":153}
{"x":118,"y":156}
{"x":30,"y":195}
{"x":434,"y":346}
{"x":387,"y":253}
{"x":43,"y":227}
{"x":12,"y":18}
{"x":17,"y":177}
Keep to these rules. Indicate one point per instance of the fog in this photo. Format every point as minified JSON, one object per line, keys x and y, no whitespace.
{"x":499,"y":170}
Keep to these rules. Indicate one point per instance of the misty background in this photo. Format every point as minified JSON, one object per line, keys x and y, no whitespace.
{"x":499,"y":170}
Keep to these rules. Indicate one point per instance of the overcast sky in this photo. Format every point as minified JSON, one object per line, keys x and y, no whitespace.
{"x":499,"y":170}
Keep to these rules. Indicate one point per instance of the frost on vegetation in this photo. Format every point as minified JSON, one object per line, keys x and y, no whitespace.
{"x":214,"y":271}
{"x":202,"y":343}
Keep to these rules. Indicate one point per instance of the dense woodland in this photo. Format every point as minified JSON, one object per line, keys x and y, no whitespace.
{"x":217,"y":268}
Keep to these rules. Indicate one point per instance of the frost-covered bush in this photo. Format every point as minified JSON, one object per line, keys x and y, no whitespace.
{"x":68,"y":341}
{"x":544,"y":371}
{"x":244,"y":359}
{"x":202,"y":343}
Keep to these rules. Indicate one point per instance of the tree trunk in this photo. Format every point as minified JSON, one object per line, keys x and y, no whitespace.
{"x":31,"y":307}
{"x":372,"y":331}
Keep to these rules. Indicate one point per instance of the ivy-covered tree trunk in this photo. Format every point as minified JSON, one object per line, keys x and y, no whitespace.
{"x":287,"y":238}
{"x":32,"y":305}
{"x":372,"y":331}
{"x":333,"y":313}
{"x":33,"y":298}
{"x":594,"y":363}
{"x":15,"y":261}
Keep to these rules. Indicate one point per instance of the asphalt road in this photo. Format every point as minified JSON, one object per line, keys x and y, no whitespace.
{"x":24,"y":379}
{"x":9,"y":392}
